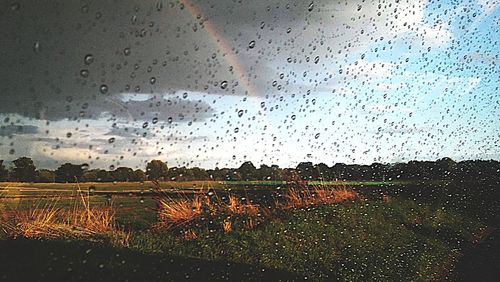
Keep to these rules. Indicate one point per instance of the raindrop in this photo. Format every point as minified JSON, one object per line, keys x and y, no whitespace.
{"x":316,"y":136}
{"x":89,"y":59}
{"x":103,"y":89}
{"x":236,"y":130}
{"x":240,"y":113}
{"x":84,"y":73}
{"x":15,"y":6}
{"x":144,"y":125}
{"x":111,"y":140}
{"x":126,"y":51}
{"x":36,"y":47}
{"x":223,"y":85}
{"x":155,"y":120}
{"x":311,"y":7}
{"x":251,"y":45}
{"x":184,"y":95}
{"x":69,"y":134}
{"x":152,"y":80}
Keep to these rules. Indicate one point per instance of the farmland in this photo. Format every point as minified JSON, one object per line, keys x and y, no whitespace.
{"x":342,"y":230}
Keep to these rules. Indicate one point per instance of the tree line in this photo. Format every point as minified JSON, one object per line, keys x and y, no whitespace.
{"x":24,"y":170}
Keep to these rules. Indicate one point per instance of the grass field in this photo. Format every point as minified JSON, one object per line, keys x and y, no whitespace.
{"x":317,"y":232}
{"x":21,"y":189}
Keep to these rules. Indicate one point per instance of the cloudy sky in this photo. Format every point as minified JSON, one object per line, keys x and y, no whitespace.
{"x":216,"y":83}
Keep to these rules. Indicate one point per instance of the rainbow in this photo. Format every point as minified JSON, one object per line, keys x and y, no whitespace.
{"x":218,"y":40}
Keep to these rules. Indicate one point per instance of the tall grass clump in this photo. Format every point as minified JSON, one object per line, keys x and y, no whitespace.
{"x":319,"y":195}
{"x":176,"y":212}
{"x":46,"y":219}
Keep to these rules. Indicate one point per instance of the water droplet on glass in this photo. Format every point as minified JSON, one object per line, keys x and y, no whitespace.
{"x":111,"y":140}
{"x":223,"y":85}
{"x":69,"y":134}
{"x":84,"y":73}
{"x":89,"y":59}
{"x":316,"y":136}
{"x":251,"y":44}
{"x":144,"y":125}
{"x":126,"y":51}
{"x":155,"y":120}
{"x":103,"y":89}
{"x":15,"y":6}
{"x":240,"y":113}
{"x":152,"y":80}
{"x":311,"y":7}
{"x":36,"y":47}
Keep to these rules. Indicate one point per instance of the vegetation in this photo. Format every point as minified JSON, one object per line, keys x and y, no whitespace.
{"x":375,"y":230}
{"x":442,"y":169}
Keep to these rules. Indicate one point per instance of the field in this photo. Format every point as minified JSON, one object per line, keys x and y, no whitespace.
{"x":348,"y":231}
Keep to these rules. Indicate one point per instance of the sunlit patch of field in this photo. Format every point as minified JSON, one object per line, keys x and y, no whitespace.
{"x":33,"y":190}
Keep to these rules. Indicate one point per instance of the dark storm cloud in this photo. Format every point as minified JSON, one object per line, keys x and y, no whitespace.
{"x":8,"y":130}
{"x":162,"y":47}
{"x":145,"y":47}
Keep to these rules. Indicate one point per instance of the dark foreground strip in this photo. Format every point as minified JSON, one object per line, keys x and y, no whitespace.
{"x":31,"y":260}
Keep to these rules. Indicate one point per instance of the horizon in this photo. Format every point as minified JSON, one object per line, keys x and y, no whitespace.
{"x":88,"y":167}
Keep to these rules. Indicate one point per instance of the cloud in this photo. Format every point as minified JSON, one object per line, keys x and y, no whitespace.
{"x":139,"y":48}
{"x":8,"y":130}
{"x":488,"y":6}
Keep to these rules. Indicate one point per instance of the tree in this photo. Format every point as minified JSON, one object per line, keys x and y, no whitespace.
{"x":46,"y":176}
{"x":90,"y":175}
{"x":248,"y":171}
{"x":323,"y":171}
{"x":123,"y":174}
{"x":4,"y":173}
{"x":156,"y":170}
{"x":69,"y":173}
{"x":139,"y":175}
{"x":24,"y":170}
{"x":306,"y":171}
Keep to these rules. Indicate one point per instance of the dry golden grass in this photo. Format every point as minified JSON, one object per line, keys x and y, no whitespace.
{"x":190,"y":235}
{"x":227,"y":226}
{"x":320,"y":195}
{"x":173,"y":213}
{"x":48,"y":221}
{"x":180,"y":211}
{"x":236,"y":206}
{"x":250,"y":223}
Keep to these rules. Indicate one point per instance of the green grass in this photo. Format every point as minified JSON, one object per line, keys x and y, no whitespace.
{"x":20,"y":189}
{"x":396,"y":241}
{"x":372,"y":240}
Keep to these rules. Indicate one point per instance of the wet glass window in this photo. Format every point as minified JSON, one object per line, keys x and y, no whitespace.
{"x":250,"y":140}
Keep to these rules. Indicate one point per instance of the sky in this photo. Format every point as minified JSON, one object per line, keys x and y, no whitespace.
{"x":216,"y":83}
